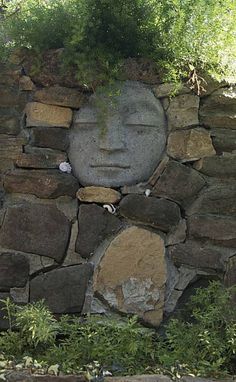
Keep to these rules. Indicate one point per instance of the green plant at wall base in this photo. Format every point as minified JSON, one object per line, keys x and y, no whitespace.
{"x":98,"y":35}
{"x":203,"y":345}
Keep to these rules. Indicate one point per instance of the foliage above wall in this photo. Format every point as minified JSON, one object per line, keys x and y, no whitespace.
{"x":181,"y":36}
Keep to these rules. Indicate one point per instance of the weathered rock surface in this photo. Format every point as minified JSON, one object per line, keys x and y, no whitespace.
{"x":169,"y":89}
{"x":60,"y":96}
{"x":19,"y":376}
{"x":26,"y":84}
{"x":197,"y":255}
{"x":230,"y":275}
{"x":8,"y":97}
{"x":177,"y":234}
{"x":50,"y":137}
{"x":44,"y":160}
{"x":14,"y":270}
{"x":218,"y":199}
{"x":35,"y":228}
{"x":219,"y":109}
{"x":11,"y":147}
{"x":179,"y":183}
{"x":219,"y":229}
{"x":223,"y":166}
{"x":183,"y":111}
{"x":159,"y":213}
{"x":95,"y":225}
{"x":39,"y":114}
{"x":9,"y":122}
{"x":44,"y":184}
{"x":98,"y":195}
{"x":131,"y":275}
{"x":139,"y":378}
{"x":189,"y":145}
{"x":224,"y":140}
{"x":63,"y":289}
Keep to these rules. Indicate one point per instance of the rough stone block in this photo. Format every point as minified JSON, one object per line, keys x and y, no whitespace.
{"x":159,"y":213}
{"x":37,"y":229}
{"x":39,"y":114}
{"x":60,"y":96}
{"x":95,"y":225}
{"x":131,"y":276}
{"x":223,"y":166}
{"x":44,"y":159}
{"x":224,"y":140}
{"x":197,"y":255}
{"x":26,"y":84}
{"x":219,"y":229}
{"x":50,"y":137}
{"x":218,"y":199}
{"x":9,"y":122}
{"x":11,"y":147}
{"x":179,"y":183}
{"x":63,"y":289}
{"x":43,"y":184}
{"x":8,"y":97}
{"x":14,"y":270}
{"x":98,"y":195}
{"x":189,"y":145}
{"x":183,"y":111}
{"x":169,"y":89}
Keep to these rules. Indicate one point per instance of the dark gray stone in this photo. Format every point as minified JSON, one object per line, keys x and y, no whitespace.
{"x":223,"y":166}
{"x":36,"y":228}
{"x":51,"y":137}
{"x":230,"y":276}
{"x":179,"y":183}
{"x":9,"y":122}
{"x":41,"y":183}
{"x":95,"y":225}
{"x":218,"y":199}
{"x":197,"y":255}
{"x":14,"y":270}
{"x":159,"y":213}
{"x":224,"y":140}
{"x":219,"y":229}
{"x":63,"y":289}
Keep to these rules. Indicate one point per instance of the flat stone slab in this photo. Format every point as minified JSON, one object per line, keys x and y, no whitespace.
{"x":179,"y":183}
{"x":11,"y":147}
{"x":219,"y":229}
{"x":131,"y":275}
{"x":95,"y":225}
{"x":159,"y":213}
{"x":62,"y":289}
{"x":37,"y":229}
{"x":189,"y":145}
{"x":224,"y":140}
{"x":43,"y":184}
{"x":98,"y":195}
{"x":197,"y":255}
{"x":51,"y":137}
{"x":14,"y":270}
{"x":223,"y":166}
{"x":41,"y":160}
{"x":60,"y":96}
{"x":39,"y":114}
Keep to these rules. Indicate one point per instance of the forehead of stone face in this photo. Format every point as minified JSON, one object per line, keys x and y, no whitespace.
{"x":129,"y":99}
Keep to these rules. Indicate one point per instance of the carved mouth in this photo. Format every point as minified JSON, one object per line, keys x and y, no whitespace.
{"x":110,"y":165}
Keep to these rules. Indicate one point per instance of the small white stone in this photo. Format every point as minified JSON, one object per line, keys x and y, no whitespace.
{"x":147,"y":192}
{"x":65,"y":167}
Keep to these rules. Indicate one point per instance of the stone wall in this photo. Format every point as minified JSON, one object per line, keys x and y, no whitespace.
{"x":133,"y":249}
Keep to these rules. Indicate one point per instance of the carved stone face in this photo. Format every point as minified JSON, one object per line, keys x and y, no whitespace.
{"x":118,"y":140}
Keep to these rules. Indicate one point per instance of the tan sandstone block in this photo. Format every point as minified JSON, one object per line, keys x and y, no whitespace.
{"x":189,"y":145}
{"x":39,"y":114}
{"x":98,"y":195}
{"x":132,"y":274}
{"x":183,"y":111}
{"x":60,"y":96}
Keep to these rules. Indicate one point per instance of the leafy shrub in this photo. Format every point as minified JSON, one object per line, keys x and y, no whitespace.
{"x":181,"y":36}
{"x":207,"y":344}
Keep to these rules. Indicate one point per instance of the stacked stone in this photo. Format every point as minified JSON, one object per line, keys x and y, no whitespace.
{"x":146,"y":243}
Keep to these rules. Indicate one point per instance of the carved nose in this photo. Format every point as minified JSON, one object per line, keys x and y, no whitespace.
{"x":111,"y":138}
